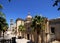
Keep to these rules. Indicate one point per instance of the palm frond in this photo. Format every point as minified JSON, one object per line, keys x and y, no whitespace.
{"x":2,"y":15}
{"x":1,"y":7}
{"x":38,"y":23}
{"x":21,"y":28}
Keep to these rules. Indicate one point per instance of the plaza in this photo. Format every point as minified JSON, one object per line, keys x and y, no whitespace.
{"x":29,"y":21}
{"x":8,"y":37}
{"x":50,"y":34}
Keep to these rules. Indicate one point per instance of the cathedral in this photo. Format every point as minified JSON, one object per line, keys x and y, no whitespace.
{"x":51,"y":32}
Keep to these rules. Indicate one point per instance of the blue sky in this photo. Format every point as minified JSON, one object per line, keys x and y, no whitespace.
{"x":20,"y":8}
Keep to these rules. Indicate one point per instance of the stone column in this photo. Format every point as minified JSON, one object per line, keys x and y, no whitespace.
{"x":39,"y":38}
{"x":47,"y":32}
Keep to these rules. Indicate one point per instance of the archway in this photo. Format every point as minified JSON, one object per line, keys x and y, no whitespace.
{"x":28,"y":36}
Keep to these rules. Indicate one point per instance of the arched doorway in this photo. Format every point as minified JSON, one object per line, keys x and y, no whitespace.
{"x":28,"y":36}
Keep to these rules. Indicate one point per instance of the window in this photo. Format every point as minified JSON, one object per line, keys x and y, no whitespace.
{"x":52,"y":30}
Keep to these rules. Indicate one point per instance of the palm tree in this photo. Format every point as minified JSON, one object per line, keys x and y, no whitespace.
{"x":21,"y":29}
{"x":3,"y":25}
{"x":2,"y":20}
{"x":38,"y":25}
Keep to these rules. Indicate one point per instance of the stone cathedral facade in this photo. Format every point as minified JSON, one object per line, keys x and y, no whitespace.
{"x":52,"y":30}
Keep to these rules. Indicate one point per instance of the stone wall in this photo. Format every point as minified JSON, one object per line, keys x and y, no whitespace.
{"x":56,"y":24}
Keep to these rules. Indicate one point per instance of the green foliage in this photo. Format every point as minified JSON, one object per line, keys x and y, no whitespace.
{"x":13,"y":30}
{"x":1,"y":7}
{"x":38,"y":23}
{"x":56,"y":3}
{"x":5,"y":27}
{"x":21,"y":28}
{"x":9,"y":0}
{"x":2,"y":15}
{"x":3,"y":24}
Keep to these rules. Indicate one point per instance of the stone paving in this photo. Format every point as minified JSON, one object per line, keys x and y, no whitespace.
{"x":9,"y":36}
{"x":23,"y":40}
{"x":56,"y":41}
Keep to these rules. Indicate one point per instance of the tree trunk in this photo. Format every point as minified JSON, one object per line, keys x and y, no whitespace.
{"x":19,"y":33}
{"x":42,"y":36}
{"x":31,"y":36}
{"x":22,"y":33}
{"x":37,"y":37}
{"x":3,"y":34}
{"x":0,"y":33}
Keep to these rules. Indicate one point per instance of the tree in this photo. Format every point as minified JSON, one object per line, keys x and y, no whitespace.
{"x":2,"y":15}
{"x":3,"y":25}
{"x":21,"y":29}
{"x":1,"y":7}
{"x":9,"y":0}
{"x":57,"y":3}
{"x":38,"y":25}
{"x":2,"y":22}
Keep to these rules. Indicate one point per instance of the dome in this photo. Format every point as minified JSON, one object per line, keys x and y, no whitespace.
{"x":29,"y":16}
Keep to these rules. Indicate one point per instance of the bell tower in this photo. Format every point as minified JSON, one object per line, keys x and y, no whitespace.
{"x":11,"y":24}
